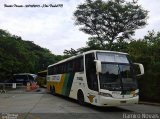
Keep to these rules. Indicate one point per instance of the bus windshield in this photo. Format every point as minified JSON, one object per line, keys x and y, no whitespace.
{"x":117,"y":73}
{"x":116,"y":77}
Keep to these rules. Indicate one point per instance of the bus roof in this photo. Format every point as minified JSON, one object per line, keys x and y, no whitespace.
{"x":107,"y":51}
{"x":91,"y":51}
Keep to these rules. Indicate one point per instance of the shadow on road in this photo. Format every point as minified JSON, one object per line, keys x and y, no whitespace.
{"x":96,"y":108}
{"x":108,"y":109}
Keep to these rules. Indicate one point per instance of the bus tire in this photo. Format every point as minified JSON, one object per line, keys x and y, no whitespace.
{"x":80,"y":97}
{"x":52,"y":90}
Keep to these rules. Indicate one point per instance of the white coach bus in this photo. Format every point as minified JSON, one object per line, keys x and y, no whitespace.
{"x":101,"y":78}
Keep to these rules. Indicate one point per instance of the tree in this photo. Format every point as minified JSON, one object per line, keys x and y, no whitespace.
{"x":18,"y":56}
{"x":147,"y":52}
{"x":70,"y":52}
{"x":109,"y":22}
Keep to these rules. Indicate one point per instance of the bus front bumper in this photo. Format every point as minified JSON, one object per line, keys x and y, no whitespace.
{"x":109,"y":101}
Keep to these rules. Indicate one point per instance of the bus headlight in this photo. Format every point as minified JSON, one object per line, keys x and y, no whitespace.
{"x":105,"y":94}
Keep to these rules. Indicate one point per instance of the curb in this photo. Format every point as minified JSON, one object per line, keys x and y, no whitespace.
{"x":149,"y":103}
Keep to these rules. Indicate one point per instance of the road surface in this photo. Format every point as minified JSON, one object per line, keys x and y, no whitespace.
{"x":47,"y":106}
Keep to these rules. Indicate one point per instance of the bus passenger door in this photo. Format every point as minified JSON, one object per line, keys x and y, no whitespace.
{"x":91,"y":76}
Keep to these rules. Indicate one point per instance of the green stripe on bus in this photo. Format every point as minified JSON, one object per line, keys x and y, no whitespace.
{"x":68,"y":79}
{"x":69,"y":84}
{"x":65,"y":83}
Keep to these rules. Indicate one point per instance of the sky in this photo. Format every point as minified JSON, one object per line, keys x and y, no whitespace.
{"x":53,"y":27}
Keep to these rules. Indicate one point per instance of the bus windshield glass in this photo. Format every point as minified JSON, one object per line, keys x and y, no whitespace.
{"x":117,"y":73}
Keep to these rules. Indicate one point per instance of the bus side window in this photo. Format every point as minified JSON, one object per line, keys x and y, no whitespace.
{"x":91,"y":72}
{"x":67,"y":67}
{"x":78,"y":65}
{"x":51,"y":70}
{"x":81,"y":68}
{"x":54,"y":70}
{"x":64,"y":68}
{"x":70,"y":66}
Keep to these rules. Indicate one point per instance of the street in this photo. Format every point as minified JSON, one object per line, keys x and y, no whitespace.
{"x":47,"y":106}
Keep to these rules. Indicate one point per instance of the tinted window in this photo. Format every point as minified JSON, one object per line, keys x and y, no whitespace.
{"x":70,"y":66}
{"x":50,"y":70}
{"x":78,"y":65}
{"x":91,"y":72}
{"x":75,"y":65}
{"x":20,"y":78}
{"x":30,"y":78}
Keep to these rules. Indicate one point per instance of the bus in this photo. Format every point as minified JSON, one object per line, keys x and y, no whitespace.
{"x":24,"y":78}
{"x":97,"y":77}
{"x":41,"y":78}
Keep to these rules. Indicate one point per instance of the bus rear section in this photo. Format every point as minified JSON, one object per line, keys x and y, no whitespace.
{"x":61,"y":76}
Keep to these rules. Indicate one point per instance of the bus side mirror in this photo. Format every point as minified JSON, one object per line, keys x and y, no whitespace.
{"x":98,"y":66}
{"x":141,"y":69}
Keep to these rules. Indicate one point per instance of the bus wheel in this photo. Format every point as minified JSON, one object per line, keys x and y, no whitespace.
{"x":80,"y":97}
{"x":52,"y":89}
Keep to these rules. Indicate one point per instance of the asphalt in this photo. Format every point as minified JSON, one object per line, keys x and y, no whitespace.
{"x":38,"y":104}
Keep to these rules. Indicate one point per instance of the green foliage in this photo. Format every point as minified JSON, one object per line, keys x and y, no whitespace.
{"x":70,"y":52}
{"x":18,"y":56}
{"x":147,"y":52}
{"x":109,"y":22}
